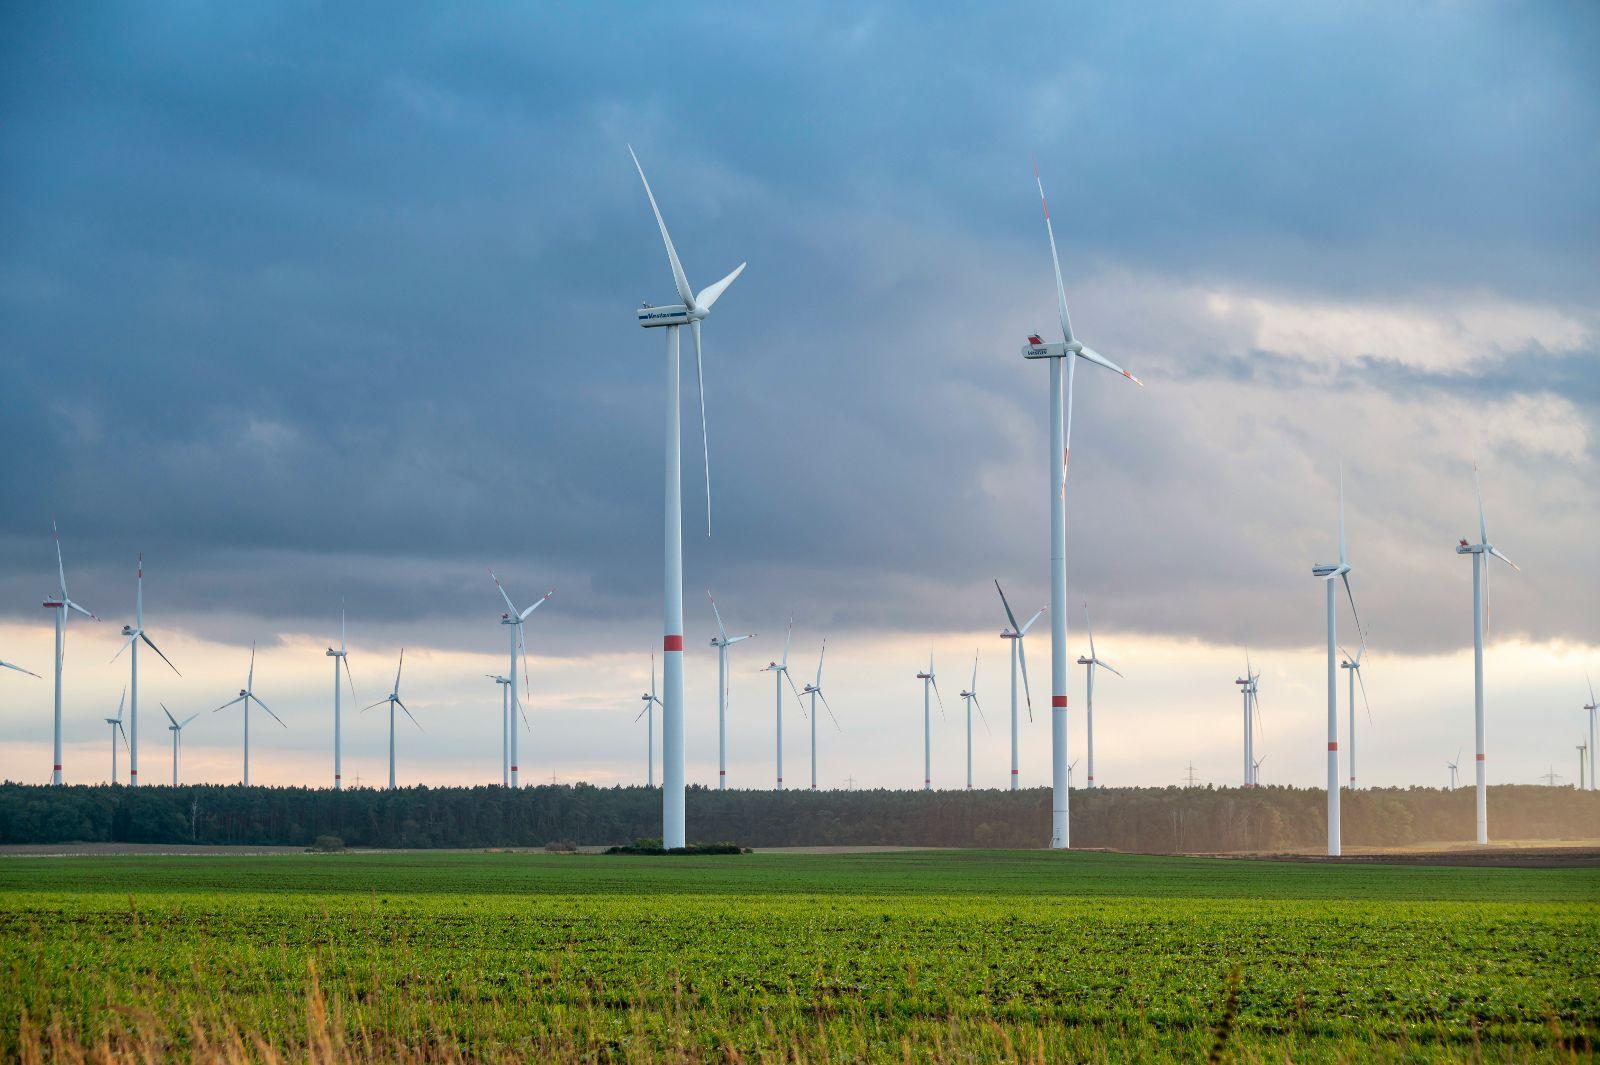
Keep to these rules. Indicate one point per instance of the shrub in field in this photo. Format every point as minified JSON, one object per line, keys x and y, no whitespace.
{"x":328,"y":844}
{"x":561,"y":846}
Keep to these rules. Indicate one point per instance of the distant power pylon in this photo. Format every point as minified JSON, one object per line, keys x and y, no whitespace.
{"x":1551,"y":777}
{"x":850,"y":783}
{"x":1190,"y":781}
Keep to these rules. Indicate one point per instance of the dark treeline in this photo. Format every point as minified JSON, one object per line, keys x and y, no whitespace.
{"x":1132,"y":819}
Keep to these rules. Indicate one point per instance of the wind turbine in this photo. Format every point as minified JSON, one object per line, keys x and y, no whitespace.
{"x":135,"y":633}
{"x":691,"y":311}
{"x":393,"y":699}
{"x":1452,"y":767}
{"x":116,"y":728}
{"x":970,"y":697}
{"x":339,"y":657}
{"x":1480,"y":593}
{"x":929,"y":680}
{"x":176,"y":728}
{"x":1353,"y":664}
{"x":648,"y":713}
{"x":780,"y":673}
{"x":62,"y":605}
{"x":721,"y":641}
{"x":1089,"y":665}
{"x":1326,"y":573}
{"x":1592,"y":705}
{"x":1582,"y":749}
{"x":1248,"y":686}
{"x":815,"y":691}
{"x":1070,"y":350}
{"x":247,"y":695}
{"x":1255,"y":771}
{"x":1016,"y":633}
{"x":519,"y":645}
{"x":1072,"y":765}
{"x":506,"y":726}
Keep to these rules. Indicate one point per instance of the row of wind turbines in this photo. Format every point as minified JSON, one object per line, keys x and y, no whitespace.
{"x":692,"y":310}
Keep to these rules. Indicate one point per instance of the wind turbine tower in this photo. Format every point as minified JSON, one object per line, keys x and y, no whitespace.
{"x":648,"y":713}
{"x":63,"y":605}
{"x":691,"y":312}
{"x":135,"y":633}
{"x":780,"y":673}
{"x":1070,"y":350}
{"x":1016,"y":633}
{"x":722,"y":641}
{"x":1089,"y":665}
{"x":1353,"y":665}
{"x":929,"y":680}
{"x":1591,"y":706}
{"x":338,"y":745}
{"x":176,"y":728}
{"x":116,"y":731}
{"x":393,"y":700}
{"x":1326,"y":573}
{"x":970,"y":697}
{"x":516,"y":620}
{"x":815,"y":691}
{"x":247,"y":695}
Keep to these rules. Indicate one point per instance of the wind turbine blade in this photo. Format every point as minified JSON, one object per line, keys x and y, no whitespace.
{"x":158,"y":651}
{"x":710,"y":293}
{"x":1036,"y":616}
{"x":1495,"y":551}
{"x":342,"y":647}
{"x":130,"y":642}
{"x":122,"y":702}
{"x":974,"y":685}
{"x":170,"y":718}
{"x":397,"y":670}
{"x":186,"y":720}
{"x":74,"y":606}
{"x":229,"y":703}
{"x":1585,"y":677}
{"x":1055,"y":260}
{"x":1100,"y":360}
{"x":501,"y":588}
{"x":1088,"y":624}
{"x":981,"y":715}
{"x":250,"y":684}
{"x":353,"y":697}
{"x":940,"y":696}
{"x":829,"y":708}
{"x":1108,"y":665}
{"x":537,"y":603}
{"x":820,"y":657}
{"x":1362,"y":683}
{"x":1345,"y":577}
{"x":268,"y":709}
{"x":1010,"y":617}
{"x":1022,"y":656}
{"x":721,"y":631}
{"x":684,"y":291}
{"x":61,"y":568}
{"x":1477,"y":487}
{"x":786,"y":639}
{"x":1341,"y":515}
{"x":643,"y":712}
{"x":36,"y":676}
{"x":407,"y":709}
{"x":705,"y":438}
{"x":652,"y":678}
{"x":801,"y":702}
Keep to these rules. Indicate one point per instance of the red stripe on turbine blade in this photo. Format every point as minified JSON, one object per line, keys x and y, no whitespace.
{"x":672,"y":643}
{"x":1058,"y":700}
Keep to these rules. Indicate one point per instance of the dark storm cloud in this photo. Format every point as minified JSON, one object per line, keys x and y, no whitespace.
{"x":320,"y":301}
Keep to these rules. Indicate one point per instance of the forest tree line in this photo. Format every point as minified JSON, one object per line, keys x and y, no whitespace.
{"x":1160,"y":820}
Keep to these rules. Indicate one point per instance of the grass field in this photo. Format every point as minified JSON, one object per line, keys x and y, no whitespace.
{"x":920,"y":955}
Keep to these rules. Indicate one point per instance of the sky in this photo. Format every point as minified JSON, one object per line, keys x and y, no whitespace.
{"x":321,"y":304}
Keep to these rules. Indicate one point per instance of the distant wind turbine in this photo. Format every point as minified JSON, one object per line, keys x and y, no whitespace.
{"x":1353,"y":664}
{"x":1248,"y":686}
{"x":1070,"y":350}
{"x":691,"y":312}
{"x":1255,"y":771}
{"x":116,"y":731}
{"x":247,"y":695}
{"x":135,"y":633}
{"x":1016,"y":634}
{"x":506,"y":725}
{"x":648,"y":713}
{"x":970,"y":697}
{"x":519,"y":646}
{"x":780,"y":673}
{"x":1089,"y":665}
{"x":393,"y":700}
{"x":1591,"y":706}
{"x":339,"y":657}
{"x":815,"y":691}
{"x":1480,"y":594}
{"x":929,"y":681}
{"x":176,"y":728}
{"x":63,"y":605}
{"x":1452,"y":766}
{"x":1326,"y":573}
{"x":722,"y":641}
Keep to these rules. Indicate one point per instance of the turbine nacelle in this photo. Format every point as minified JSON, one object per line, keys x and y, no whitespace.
{"x":1330,"y":570}
{"x":672,"y":314}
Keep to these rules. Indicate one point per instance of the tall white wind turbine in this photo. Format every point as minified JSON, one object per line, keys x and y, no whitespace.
{"x":339,"y":657}
{"x":1016,"y":633}
{"x":135,"y":633}
{"x":649,"y":714}
{"x":691,"y":311}
{"x":247,"y":695}
{"x":780,"y":673}
{"x":1454,"y":769}
{"x":721,"y":641}
{"x":63,"y":605}
{"x":1480,"y":593}
{"x":393,"y":700}
{"x":1352,"y":663}
{"x":970,"y":697}
{"x":175,"y":727}
{"x":1089,"y":665}
{"x":117,"y":731}
{"x":1326,"y":573}
{"x":1589,"y":706}
{"x":1070,"y":350}
{"x":814,"y":690}
{"x":929,"y":680}
{"x":515,"y":619}
{"x":1248,"y":686}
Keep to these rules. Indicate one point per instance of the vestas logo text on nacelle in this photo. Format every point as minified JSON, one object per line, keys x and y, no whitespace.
{"x":651,"y":316}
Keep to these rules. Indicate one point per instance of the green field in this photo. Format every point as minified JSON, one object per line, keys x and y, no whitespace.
{"x":926,"y":955}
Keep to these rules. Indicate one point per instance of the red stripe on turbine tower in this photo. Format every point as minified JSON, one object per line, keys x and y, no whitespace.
{"x":1480,"y":758}
{"x":1333,"y":746}
{"x":1058,"y":700}
{"x":672,"y":643}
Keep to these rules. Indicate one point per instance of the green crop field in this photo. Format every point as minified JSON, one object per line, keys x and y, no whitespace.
{"x":920,"y":955}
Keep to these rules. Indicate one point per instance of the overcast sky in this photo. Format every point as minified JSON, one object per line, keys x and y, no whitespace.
{"x":320,"y":303}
